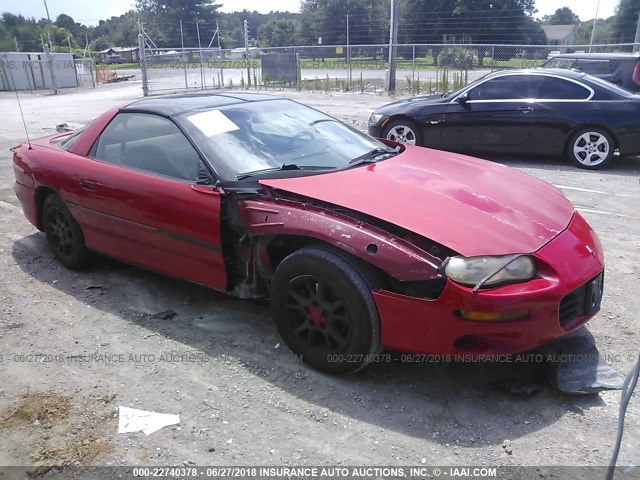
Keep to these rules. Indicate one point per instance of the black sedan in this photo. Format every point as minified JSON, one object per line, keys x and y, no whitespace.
{"x":542,"y":112}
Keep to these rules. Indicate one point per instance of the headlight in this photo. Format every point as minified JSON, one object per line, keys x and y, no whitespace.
{"x":375,"y":118}
{"x":489,"y":271}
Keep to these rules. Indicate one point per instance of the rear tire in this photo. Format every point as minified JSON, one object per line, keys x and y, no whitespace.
{"x":323,"y":308}
{"x":64,"y":235}
{"x":403,"y":131}
{"x":591,"y":148}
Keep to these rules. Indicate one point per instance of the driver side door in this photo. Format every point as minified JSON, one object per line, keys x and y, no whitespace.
{"x":139,"y":200}
{"x":497,"y":116}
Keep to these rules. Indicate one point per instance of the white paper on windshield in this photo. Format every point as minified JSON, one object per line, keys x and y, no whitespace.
{"x":212,"y":122}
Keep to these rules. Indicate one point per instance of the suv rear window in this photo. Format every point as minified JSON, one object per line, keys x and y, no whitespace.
{"x":595,"y":67}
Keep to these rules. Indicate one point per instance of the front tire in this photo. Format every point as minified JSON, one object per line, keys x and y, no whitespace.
{"x":403,"y":131}
{"x":64,"y":235}
{"x":324,"y":311}
{"x":591,"y":148}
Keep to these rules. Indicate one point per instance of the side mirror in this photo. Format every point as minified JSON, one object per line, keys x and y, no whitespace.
{"x":464,"y":98}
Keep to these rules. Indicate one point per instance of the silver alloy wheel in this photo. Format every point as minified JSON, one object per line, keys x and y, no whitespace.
{"x":591,"y":148}
{"x":402,"y":134}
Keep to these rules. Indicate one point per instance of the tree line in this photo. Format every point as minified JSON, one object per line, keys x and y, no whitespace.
{"x":173,"y":23}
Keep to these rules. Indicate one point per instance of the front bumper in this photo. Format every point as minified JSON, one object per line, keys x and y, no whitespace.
{"x":375,"y":130}
{"x":565,"y":265}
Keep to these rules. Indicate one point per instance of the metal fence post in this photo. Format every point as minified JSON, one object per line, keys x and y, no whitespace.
{"x":51,"y":72}
{"x":143,"y":66}
{"x":182,"y":56}
{"x":493,"y":56}
{"x":413,"y":68}
{"x":202,"y":79}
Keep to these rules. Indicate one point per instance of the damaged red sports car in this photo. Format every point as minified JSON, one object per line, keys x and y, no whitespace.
{"x":360,"y":245}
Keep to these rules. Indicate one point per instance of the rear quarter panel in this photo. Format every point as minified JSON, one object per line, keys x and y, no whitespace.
{"x":557,"y":121}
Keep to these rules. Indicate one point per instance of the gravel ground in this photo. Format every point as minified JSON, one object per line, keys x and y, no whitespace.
{"x":243,"y":399}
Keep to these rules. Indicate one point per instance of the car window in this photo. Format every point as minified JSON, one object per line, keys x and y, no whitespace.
{"x":564,"y":63}
{"x":554,"y":88}
{"x":68,"y":142}
{"x":252,"y":136}
{"x":509,"y":87}
{"x":149,"y":143}
{"x":594,"y":67}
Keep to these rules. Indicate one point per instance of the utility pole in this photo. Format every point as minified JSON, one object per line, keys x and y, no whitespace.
{"x":47,"y":9}
{"x":15,"y":39}
{"x":393,"y":40}
{"x":49,"y":20}
{"x":593,"y":30}
{"x":143,"y":64}
{"x":636,"y":41}
{"x":246,"y":51}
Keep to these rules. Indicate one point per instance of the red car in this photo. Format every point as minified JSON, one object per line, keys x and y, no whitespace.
{"x":360,"y":245}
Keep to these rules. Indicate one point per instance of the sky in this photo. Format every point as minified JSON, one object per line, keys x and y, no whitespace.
{"x":90,"y":11}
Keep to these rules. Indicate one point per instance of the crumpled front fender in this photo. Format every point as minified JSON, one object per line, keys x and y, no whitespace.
{"x":389,"y":253}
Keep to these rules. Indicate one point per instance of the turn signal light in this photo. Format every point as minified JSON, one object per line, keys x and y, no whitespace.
{"x":493,"y":317}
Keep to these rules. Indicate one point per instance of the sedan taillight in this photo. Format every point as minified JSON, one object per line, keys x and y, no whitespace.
{"x":636,"y":74}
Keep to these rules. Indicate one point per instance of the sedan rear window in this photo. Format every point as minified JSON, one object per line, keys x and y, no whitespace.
{"x":559,"y":89}
{"x":68,"y":142}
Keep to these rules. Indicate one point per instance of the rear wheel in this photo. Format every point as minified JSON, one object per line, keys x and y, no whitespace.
{"x":64,"y":235}
{"x":591,"y":148}
{"x":324,"y":311}
{"x":403,"y":131}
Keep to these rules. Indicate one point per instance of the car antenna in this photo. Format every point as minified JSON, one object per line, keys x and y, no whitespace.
{"x":24,"y":123}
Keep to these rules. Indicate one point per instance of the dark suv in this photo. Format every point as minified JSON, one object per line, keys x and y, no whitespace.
{"x":620,"y":68}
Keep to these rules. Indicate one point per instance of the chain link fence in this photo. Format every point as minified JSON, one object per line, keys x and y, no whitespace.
{"x":421,"y":68}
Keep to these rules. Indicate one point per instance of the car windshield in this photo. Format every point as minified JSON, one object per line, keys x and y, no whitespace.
{"x":260,"y":137}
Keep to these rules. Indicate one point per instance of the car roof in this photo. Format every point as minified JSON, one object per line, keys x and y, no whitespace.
{"x":598,"y":56}
{"x":539,"y":71}
{"x":176,"y":104}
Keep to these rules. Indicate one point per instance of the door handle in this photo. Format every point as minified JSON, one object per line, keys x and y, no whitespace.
{"x":526,"y":109}
{"x":88,"y":184}
{"x":208,"y":189}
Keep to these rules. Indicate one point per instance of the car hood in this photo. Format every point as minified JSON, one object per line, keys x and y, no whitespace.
{"x":413,"y":102}
{"x":472,"y":206}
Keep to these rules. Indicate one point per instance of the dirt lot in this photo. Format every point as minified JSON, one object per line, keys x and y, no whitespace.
{"x":242,"y":398}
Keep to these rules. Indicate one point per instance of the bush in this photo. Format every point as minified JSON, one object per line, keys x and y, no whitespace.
{"x":457,"y":58}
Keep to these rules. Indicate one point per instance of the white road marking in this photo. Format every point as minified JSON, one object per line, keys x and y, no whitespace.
{"x":587,"y":190}
{"x":602,"y":212}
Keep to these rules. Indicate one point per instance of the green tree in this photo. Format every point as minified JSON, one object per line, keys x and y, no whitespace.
{"x":624,"y":28}
{"x":604,"y":31}
{"x":26,"y":30}
{"x":494,"y":22}
{"x":162,"y":20}
{"x":279,"y":33}
{"x":562,"y":16}
{"x":368,"y":21}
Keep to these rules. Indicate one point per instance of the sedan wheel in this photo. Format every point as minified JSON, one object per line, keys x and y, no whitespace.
{"x":64,"y":235}
{"x":323,"y":308}
{"x":591,"y":148}
{"x":403,"y":131}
